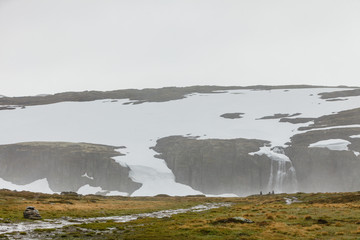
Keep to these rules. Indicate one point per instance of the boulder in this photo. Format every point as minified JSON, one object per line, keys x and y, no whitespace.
{"x":32,"y":213}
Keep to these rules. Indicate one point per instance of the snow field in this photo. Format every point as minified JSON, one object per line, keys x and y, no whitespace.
{"x":138,"y":126}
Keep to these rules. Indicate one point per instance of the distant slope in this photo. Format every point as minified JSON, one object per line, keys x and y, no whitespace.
{"x":135,"y":95}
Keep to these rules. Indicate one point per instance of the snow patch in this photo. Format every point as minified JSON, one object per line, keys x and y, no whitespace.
{"x":87,"y":176}
{"x":155,"y":182}
{"x":119,"y":160}
{"x":332,"y":144}
{"x":355,"y":136}
{"x":117,"y":193}
{"x":40,"y":185}
{"x":87,"y":189}
{"x":225,"y":195}
{"x":356,"y":153}
{"x":333,"y":127}
{"x":274,"y":155}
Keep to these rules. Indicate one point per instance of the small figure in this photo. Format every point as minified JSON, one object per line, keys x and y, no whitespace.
{"x":272,"y":192}
{"x":260,"y":192}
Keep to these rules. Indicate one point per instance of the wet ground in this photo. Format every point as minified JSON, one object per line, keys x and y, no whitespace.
{"x":15,"y":230}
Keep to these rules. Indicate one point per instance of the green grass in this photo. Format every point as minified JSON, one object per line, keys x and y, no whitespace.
{"x":12,"y":205}
{"x":318,"y":216}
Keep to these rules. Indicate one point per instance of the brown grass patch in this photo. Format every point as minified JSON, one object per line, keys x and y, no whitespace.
{"x":313,"y":228}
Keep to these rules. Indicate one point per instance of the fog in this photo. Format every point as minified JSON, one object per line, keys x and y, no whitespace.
{"x":55,"y":46}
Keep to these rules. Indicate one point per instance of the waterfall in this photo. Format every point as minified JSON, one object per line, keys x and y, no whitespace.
{"x":282,"y":176}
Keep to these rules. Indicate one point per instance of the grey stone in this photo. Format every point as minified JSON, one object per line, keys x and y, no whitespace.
{"x":32,"y":213}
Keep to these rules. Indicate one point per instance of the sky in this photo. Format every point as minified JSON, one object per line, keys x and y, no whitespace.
{"x":49,"y":46}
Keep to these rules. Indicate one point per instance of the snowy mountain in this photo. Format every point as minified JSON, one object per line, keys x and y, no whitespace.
{"x":182,"y":141}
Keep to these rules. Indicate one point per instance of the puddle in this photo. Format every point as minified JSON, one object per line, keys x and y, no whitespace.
{"x":291,"y":200}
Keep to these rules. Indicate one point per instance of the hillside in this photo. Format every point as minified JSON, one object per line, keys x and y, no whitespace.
{"x":225,"y":141}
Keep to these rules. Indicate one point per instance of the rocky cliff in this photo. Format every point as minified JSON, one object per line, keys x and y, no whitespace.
{"x":66,"y":166}
{"x":215,"y":166}
{"x":323,"y":169}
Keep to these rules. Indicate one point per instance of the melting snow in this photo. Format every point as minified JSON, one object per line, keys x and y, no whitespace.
{"x":40,"y":185}
{"x":355,"y":136}
{"x":87,"y":189}
{"x":274,"y":155}
{"x":117,"y":193}
{"x":332,"y":144}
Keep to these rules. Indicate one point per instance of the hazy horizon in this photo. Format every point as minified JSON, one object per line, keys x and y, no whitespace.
{"x":56,"y":46}
{"x":84,"y":90}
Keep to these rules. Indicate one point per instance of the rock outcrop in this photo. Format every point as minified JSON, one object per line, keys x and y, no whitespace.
{"x":322,"y":169}
{"x":232,"y":115}
{"x":215,"y":166}
{"x":31,"y":213}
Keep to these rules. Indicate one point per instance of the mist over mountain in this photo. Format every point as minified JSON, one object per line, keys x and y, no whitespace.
{"x":212,"y":140}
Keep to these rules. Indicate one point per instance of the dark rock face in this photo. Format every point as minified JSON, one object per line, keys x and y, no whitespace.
{"x":279,"y":115}
{"x":31,"y":213}
{"x":324,"y":170}
{"x":296,"y":120}
{"x":67,"y":166}
{"x":216,"y":166}
{"x":7,"y":108}
{"x":232,"y":115}
{"x":337,"y":94}
{"x":342,"y":118}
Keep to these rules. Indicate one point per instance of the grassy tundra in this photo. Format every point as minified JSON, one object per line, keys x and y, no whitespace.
{"x":312,"y":216}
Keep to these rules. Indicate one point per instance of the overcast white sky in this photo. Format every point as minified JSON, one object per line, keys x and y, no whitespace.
{"x":49,"y":46}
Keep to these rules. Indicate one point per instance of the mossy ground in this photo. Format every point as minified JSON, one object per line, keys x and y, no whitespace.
{"x":317,"y":216}
{"x":12,"y":205}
